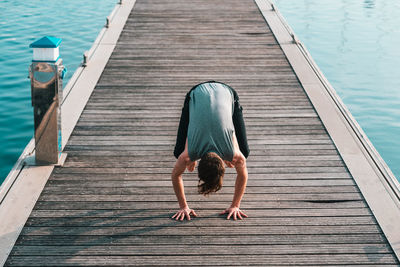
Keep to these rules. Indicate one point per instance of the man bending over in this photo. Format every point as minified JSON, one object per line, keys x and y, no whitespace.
{"x":211,"y":129}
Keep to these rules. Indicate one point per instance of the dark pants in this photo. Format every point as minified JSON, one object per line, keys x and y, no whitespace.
{"x":237,"y":118}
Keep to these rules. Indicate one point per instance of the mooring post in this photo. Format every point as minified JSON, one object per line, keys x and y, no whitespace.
{"x":46,"y":73}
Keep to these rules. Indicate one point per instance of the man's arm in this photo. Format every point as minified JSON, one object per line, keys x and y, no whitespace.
{"x":182,"y":128}
{"x":239,"y":162}
{"x":241,"y":182}
{"x":181,"y":164}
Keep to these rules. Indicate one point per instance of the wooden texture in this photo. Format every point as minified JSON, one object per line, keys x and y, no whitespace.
{"x":112,"y":201}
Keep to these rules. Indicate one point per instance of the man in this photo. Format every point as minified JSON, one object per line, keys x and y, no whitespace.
{"x":211,"y":129}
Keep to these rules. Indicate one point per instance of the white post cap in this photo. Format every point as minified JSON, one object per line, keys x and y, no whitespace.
{"x":46,"y":49}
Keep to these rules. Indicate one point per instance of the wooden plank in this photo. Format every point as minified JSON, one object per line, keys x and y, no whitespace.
{"x":169,"y":229}
{"x":318,"y":197}
{"x":184,"y":250}
{"x":64,"y":175}
{"x":258,"y":112}
{"x":259,"y":102}
{"x":169,"y":154}
{"x":284,"y":114}
{"x":221,"y":205}
{"x":168,"y":164}
{"x":156,"y":170}
{"x":200,"y":221}
{"x":194,"y":79}
{"x":139,"y":142}
{"x":193,"y":182}
{"x":295,"y":158}
{"x":126,"y":66}
{"x":187,"y":84}
{"x":148,"y":214}
{"x":87,"y":240}
{"x":160,"y":108}
{"x":257,"y":90}
{"x":281,"y":129}
{"x":253,"y":141}
{"x":319,"y":259}
{"x":124,"y":131}
{"x":269,"y":192}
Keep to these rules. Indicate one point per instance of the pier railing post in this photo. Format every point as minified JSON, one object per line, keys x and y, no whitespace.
{"x":46,"y":73}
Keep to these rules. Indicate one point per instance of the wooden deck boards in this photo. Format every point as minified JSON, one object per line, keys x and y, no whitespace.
{"x":111,"y":202}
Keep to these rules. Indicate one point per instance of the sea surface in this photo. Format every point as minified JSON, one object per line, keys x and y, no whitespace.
{"x":356,"y":44}
{"x":22,"y":22}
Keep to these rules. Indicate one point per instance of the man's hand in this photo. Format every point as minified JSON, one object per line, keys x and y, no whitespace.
{"x":234,"y":212}
{"x":191,"y":165}
{"x":185,"y":212}
{"x":229,"y":164}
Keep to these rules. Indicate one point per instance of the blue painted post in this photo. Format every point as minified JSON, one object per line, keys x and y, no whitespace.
{"x":46,"y":73}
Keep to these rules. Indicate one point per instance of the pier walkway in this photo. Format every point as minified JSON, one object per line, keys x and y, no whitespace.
{"x":111,"y":202}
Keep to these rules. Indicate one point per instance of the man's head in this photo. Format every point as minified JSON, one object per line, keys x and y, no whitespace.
{"x":211,"y":171}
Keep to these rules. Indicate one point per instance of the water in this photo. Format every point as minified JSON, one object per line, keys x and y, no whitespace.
{"x":22,"y":22}
{"x":356,"y":45}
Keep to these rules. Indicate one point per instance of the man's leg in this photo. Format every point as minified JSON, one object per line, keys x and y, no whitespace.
{"x":238,"y":123}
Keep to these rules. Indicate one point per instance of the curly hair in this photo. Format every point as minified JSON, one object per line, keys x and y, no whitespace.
{"x":211,"y":171}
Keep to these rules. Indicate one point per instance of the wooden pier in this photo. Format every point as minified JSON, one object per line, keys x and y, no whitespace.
{"x":111,"y":202}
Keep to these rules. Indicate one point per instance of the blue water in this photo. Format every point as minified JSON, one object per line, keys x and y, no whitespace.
{"x":22,"y":22}
{"x":356,"y":45}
